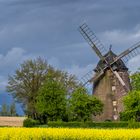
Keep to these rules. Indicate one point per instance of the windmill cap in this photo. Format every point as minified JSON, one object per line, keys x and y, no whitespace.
{"x":120,"y":65}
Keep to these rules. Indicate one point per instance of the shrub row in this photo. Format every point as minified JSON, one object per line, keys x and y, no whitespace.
{"x":131,"y":124}
{"x":89,"y":124}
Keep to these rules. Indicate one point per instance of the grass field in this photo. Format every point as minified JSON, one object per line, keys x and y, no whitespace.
{"x":11,"y":121}
{"x":68,"y":134}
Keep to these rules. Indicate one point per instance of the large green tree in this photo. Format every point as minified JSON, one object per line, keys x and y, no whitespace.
{"x":132,"y":100}
{"x":25,"y":83}
{"x":135,"y":80}
{"x":83,"y":106}
{"x":51,"y":100}
{"x":132,"y":106}
{"x":29,"y":78}
{"x":69,"y":81}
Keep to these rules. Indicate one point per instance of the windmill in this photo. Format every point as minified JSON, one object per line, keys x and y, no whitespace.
{"x":111,"y":79}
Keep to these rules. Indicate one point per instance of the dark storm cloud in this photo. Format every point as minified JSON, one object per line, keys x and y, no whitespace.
{"x":48,"y":28}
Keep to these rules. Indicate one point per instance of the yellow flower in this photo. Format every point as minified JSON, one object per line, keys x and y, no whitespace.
{"x":68,"y":133}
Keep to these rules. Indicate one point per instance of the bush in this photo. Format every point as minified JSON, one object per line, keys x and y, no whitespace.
{"x":89,"y":124}
{"x":127,"y":115}
{"x":133,"y":124}
{"x":30,"y":122}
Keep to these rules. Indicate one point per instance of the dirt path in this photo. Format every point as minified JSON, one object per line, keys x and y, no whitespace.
{"x":11,"y":121}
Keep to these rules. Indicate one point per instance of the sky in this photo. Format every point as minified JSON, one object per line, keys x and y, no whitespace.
{"x":49,"y":29}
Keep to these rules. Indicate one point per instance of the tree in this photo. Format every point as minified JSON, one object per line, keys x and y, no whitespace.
{"x":83,"y":106}
{"x":132,"y":100}
{"x":25,"y":83}
{"x":68,"y":81}
{"x":30,"y":77}
{"x":12,"y":110}
{"x":132,"y":106}
{"x":4,"y":110}
{"x":51,"y":100}
{"x":135,"y":80}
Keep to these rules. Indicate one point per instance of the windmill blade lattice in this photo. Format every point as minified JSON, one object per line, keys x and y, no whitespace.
{"x":86,"y":78}
{"x":131,"y":52}
{"x":92,"y":40}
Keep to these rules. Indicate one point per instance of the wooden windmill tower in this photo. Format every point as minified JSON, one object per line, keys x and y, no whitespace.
{"x":111,"y":79}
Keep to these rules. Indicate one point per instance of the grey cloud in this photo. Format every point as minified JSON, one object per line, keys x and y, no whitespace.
{"x":80,"y":71}
{"x":3,"y":83}
{"x":121,"y":39}
{"x":134,"y":64}
{"x":48,"y":28}
{"x":11,"y":60}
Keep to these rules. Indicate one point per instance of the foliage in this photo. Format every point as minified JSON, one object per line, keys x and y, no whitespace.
{"x":4,"y":110}
{"x":127,"y":115}
{"x":132,"y":106}
{"x":25,"y":84}
{"x":133,"y":124}
{"x":30,"y":122}
{"x":8,"y":110}
{"x":12,"y":110}
{"x":45,"y":92}
{"x":51,"y":100}
{"x":135,"y":80}
{"x":67,"y":80}
{"x":68,"y":134}
{"x":82,"y":106}
{"x":87,"y":124}
{"x":132,"y":100}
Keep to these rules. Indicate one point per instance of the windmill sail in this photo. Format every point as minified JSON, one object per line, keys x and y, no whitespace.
{"x":96,"y":77}
{"x":126,"y":56}
{"x":100,"y":50}
{"x":86,"y":78}
{"x":129,"y":53}
{"x":121,"y":81}
{"x":92,"y":40}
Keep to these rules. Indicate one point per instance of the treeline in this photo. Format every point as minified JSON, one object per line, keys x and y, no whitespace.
{"x":8,"y":110}
{"x":48,"y":94}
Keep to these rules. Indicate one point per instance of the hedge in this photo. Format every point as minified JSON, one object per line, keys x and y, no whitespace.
{"x":30,"y":123}
{"x":87,"y":124}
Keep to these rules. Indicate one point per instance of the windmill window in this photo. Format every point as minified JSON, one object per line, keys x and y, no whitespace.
{"x":114,"y":103}
{"x":115,"y":109}
{"x":113,"y":88}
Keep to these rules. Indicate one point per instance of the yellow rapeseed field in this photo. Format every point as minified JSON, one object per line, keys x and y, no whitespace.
{"x":70,"y":134}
